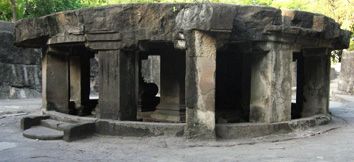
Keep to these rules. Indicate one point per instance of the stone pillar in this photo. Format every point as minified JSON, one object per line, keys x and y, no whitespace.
{"x":316,"y":80}
{"x":200,"y":85}
{"x":271,"y":83}
{"x":172,"y":87}
{"x":346,"y":76}
{"x":118,"y":85}
{"x":55,"y":80}
{"x":80,"y":80}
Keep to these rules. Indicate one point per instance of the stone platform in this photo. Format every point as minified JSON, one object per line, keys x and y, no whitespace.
{"x":141,"y":129}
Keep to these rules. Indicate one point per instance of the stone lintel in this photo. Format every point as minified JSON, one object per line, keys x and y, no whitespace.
{"x":65,"y":39}
{"x":104,"y":45}
{"x":271,"y":83}
{"x":104,"y":37}
{"x":200,"y":85}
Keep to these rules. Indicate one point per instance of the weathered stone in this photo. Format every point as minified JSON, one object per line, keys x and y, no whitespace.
{"x":94,"y":77}
{"x":346,"y":77}
{"x":150,"y":70}
{"x":134,"y":22}
{"x":46,"y":128}
{"x":271,"y":84}
{"x":316,"y":82}
{"x":7,"y":26}
{"x":56,"y":83}
{"x":200,"y":85}
{"x":29,"y":121}
{"x":43,"y":133}
{"x":223,"y":63}
{"x":19,"y":67}
{"x":78,"y":131}
{"x":251,"y":130}
{"x":104,"y":37}
{"x":54,"y":124}
{"x":138,"y":129}
{"x":117,"y":85}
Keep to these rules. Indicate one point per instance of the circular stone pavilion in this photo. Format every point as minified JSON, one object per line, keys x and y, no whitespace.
{"x":226,"y":70}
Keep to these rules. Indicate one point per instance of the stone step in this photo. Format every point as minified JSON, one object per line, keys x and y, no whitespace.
{"x":43,"y":133}
{"x":34,"y":126}
{"x":55,"y":124}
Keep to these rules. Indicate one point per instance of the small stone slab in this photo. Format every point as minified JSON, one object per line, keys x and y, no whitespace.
{"x":43,"y":133}
{"x":30,"y":121}
{"x":55,"y":124}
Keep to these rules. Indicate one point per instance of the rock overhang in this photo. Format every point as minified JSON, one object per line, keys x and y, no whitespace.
{"x":121,"y":26}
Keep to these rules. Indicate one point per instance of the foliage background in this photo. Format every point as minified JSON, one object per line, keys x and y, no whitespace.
{"x":340,"y":10}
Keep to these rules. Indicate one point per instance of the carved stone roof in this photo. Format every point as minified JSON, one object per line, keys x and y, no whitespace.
{"x":124,"y":25}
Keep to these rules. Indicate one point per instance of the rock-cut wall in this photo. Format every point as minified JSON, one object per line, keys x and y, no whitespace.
{"x":20,"y":70}
{"x":346,"y":82}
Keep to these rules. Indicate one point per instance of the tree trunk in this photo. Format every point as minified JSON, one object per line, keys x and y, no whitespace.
{"x":14,"y":9}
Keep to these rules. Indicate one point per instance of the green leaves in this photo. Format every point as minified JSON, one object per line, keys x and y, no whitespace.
{"x":36,"y":8}
{"x":5,"y":10}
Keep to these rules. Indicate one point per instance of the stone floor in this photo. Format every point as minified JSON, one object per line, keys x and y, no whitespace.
{"x":333,"y":142}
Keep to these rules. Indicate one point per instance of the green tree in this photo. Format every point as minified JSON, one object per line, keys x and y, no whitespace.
{"x":36,"y":8}
{"x":5,"y":10}
{"x":11,"y":9}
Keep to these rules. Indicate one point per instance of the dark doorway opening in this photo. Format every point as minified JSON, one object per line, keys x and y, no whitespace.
{"x":233,"y":80}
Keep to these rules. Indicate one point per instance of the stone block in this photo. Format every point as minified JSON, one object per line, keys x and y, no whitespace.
{"x":78,"y":131}
{"x":43,"y":133}
{"x":29,"y":121}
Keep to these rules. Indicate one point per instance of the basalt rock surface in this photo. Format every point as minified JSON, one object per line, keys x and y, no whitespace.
{"x":20,"y":70}
{"x":346,"y":77}
{"x":120,"y":26}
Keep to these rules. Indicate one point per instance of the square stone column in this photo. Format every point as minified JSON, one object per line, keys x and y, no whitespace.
{"x":316,"y":81}
{"x":55,"y":80}
{"x":79,"y":81}
{"x":271,"y":83}
{"x":200,"y":85}
{"x":118,"y":85}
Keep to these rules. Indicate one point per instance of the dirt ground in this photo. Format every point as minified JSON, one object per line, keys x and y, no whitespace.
{"x":332,"y":142}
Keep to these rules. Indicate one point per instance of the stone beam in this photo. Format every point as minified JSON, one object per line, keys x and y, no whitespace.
{"x":200,"y":85}
{"x":117,"y":85}
{"x":271,"y":83}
